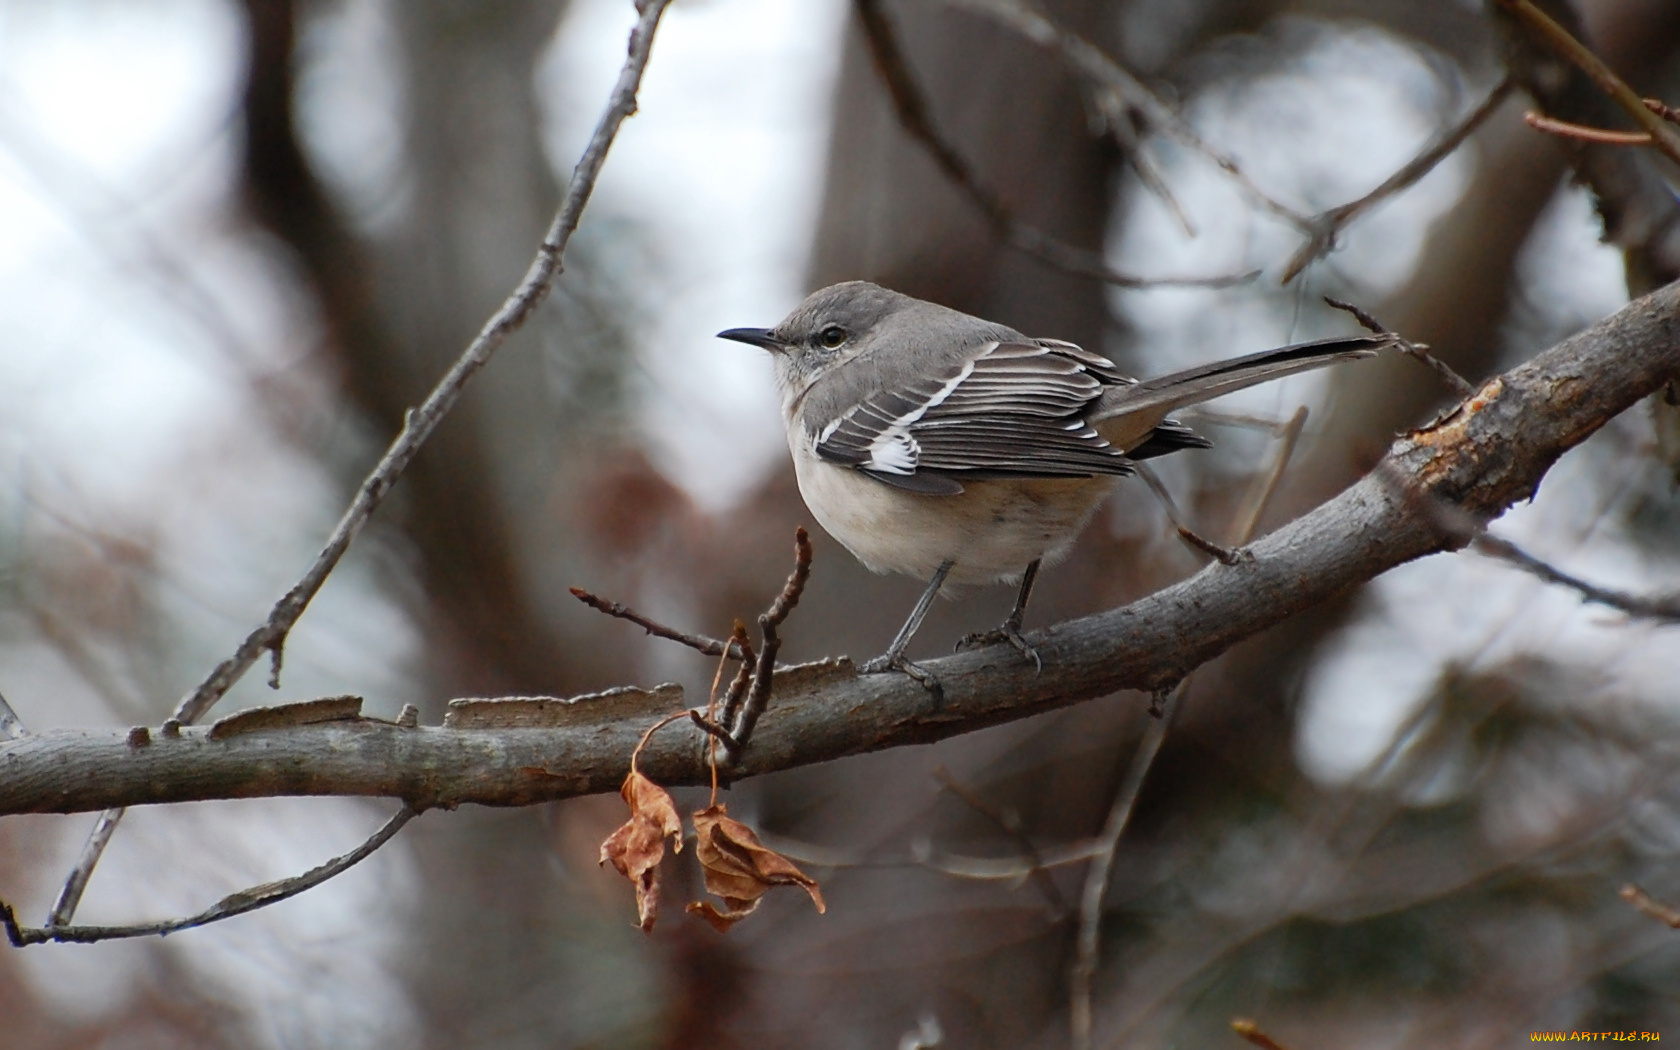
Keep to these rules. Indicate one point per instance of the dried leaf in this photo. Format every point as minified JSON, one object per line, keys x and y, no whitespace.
{"x":720,"y":920}
{"x":636,"y":848}
{"x":740,"y":869}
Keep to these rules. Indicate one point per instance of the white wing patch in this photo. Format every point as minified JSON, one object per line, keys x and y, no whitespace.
{"x":895,"y":449}
{"x":1009,"y":410}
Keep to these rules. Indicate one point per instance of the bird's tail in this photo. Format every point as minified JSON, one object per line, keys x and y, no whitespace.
{"x":1127,"y":414}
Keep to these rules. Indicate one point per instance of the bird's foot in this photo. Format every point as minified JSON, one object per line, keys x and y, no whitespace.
{"x":1006,"y":632}
{"x":897,"y":662}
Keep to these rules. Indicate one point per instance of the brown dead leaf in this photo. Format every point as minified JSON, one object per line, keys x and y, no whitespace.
{"x":740,"y":869}
{"x":636,"y":848}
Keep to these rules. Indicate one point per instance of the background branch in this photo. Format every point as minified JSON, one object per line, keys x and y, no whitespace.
{"x":916,"y":117}
{"x":226,"y":908}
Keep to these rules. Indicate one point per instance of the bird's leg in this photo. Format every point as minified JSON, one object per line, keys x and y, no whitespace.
{"x":893,"y":659}
{"x":1010,"y":630}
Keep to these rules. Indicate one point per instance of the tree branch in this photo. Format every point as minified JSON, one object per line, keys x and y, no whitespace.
{"x":1490,"y":453}
{"x":226,"y":908}
{"x":1328,"y":225}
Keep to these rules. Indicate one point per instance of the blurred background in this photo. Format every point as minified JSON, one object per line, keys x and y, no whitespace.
{"x":237,"y":240}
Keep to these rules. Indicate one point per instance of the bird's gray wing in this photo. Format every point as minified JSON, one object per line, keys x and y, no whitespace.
{"x":1008,"y":410}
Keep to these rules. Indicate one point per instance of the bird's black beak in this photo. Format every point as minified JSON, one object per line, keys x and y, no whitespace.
{"x":759,"y":337}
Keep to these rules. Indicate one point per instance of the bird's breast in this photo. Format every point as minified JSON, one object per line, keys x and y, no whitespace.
{"x":992,"y":530}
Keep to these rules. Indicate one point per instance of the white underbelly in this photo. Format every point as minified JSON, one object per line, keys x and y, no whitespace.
{"x":991,"y":531}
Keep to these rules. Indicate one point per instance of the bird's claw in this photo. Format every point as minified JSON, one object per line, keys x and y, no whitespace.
{"x":890,"y":662}
{"x":1007,"y":632}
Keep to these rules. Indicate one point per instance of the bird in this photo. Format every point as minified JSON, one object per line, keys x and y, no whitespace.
{"x":959,"y":451}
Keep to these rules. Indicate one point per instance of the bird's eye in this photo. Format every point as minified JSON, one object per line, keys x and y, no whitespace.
{"x":832,"y":337}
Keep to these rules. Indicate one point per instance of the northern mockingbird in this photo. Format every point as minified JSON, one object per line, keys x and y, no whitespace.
{"x":955,"y":450}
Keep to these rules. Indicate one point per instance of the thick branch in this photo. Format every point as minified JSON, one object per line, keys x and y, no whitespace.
{"x":1489,"y":454}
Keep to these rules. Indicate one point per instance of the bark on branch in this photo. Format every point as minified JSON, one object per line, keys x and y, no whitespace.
{"x":1481,"y":459}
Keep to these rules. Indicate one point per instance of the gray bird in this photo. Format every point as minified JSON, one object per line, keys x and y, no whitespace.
{"x":956,"y":450}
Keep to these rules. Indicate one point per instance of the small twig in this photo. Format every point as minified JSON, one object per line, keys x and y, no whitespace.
{"x":1125,"y":134}
{"x":1117,"y":91}
{"x":1663,"y":110}
{"x":270,"y":636}
{"x":698,"y":642}
{"x":714,"y":730}
{"x":1666,"y":914}
{"x":758,"y":695}
{"x":1191,"y":538}
{"x":1472,"y":532}
{"x":915,"y":117}
{"x":1260,"y":494}
{"x":1251,"y":1032}
{"x":11,"y":726}
{"x":226,"y":908}
{"x":1010,"y":825}
{"x":1597,"y":136}
{"x":1663,"y":135}
{"x":743,"y":677}
{"x":1417,"y":351}
{"x":1223,"y":555}
{"x":75,"y":884}
{"x":1163,"y":705}
{"x":1087,"y":945}
{"x":1663,"y":610}
{"x":749,"y":690}
{"x":1328,"y":225}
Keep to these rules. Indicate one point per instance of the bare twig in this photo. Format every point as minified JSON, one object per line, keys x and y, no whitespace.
{"x":1666,"y":914}
{"x":1417,"y":351}
{"x":1260,"y":493}
{"x":698,"y":642}
{"x":1662,"y":609}
{"x":1598,"y":136}
{"x":1009,"y":824}
{"x":714,"y":730}
{"x":226,"y":908}
{"x":75,"y":884}
{"x":1193,"y":539}
{"x":916,"y":117}
{"x":1223,"y":555}
{"x":749,"y":691}
{"x":1328,"y":225}
{"x":1164,"y":704}
{"x":1469,"y":530}
{"x":758,"y":695}
{"x":1250,"y":1031}
{"x":1088,"y":939}
{"x":1119,"y":94}
{"x":11,"y":726}
{"x":1663,"y":110}
{"x":270,"y":636}
{"x":1663,"y":135}
{"x":743,"y":677}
